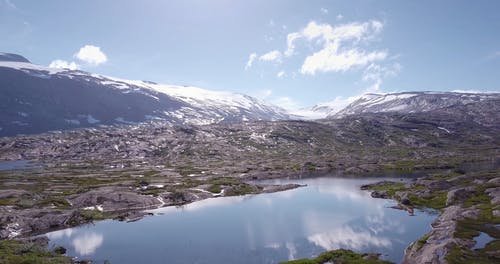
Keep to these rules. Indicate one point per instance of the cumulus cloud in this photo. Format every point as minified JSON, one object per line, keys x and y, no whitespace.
{"x":329,"y":60}
{"x":323,"y":10}
{"x":251,"y":59}
{"x":340,"y":16}
{"x":62,"y":64}
{"x":274,"y":55}
{"x":339,"y":48}
{"x":91,"y":55}
{"x":280,"y":74}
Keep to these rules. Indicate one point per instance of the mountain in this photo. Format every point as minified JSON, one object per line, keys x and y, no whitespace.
{"x":37,"y":99}
{"x":411,"y":102}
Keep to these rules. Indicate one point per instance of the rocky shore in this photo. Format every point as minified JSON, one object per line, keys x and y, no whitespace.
{"x":469,"y":203}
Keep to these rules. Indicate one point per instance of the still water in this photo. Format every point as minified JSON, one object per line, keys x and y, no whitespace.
{"x":329,"y":213}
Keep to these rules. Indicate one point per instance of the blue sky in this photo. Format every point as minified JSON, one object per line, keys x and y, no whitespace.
{"x":304,"y":52}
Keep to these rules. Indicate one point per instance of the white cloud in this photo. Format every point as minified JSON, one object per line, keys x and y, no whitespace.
{"x":91,"y":55}
{"x":323,"y":10}
{"x":274,"y":55}
{"x":286,"y":103}
{"x":339,"y":17}
{"x":340,"y":48}
{"x":271,"y":23}
{"x":376,"y":73}
{"x":329,"y":60}
{"x":62,"y":64}
{"x":251,"y":59}
{"x":280,"y":74}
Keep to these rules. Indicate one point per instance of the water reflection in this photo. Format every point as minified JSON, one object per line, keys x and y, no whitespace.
{"x":87,"y":243}
{"x":83,"y":242}
{"x":346,"y":237}
{"x":329,"y":213}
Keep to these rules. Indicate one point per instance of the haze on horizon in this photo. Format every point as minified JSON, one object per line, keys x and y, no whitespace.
{"x":292,"y":54}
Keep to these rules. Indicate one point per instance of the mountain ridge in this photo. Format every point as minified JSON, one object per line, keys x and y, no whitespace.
{"x":39,"y":99}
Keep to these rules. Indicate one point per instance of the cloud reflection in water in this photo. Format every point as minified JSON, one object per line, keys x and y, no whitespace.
{"x":87,"y":243}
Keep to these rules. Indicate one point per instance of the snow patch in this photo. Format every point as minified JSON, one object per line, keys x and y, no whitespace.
{"x":442,"y":128}
{"x":92,"y":120}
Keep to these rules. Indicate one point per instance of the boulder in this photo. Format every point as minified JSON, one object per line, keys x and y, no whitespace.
{"x":458,"y":195}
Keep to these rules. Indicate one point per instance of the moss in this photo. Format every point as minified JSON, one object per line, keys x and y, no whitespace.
{"x":486,"y":255}
{"x":390,"y":187}
{"x":187,"y":170}
{"x":241,"y":189}
{"x":58,"y":202}
{"x":228,"y":181}
{"x":479,"y":196}
{"x":422,"y":241}
{"x":341,"y":256}
{"x":435,"y":200}
{"x":15,"y":251}
{"x":215,"y":188}
{"x":87,"y":216}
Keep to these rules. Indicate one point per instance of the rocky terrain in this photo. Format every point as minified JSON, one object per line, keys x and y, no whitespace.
{"x":88,"y":174}
{"x":469,"y":204}
{"x":121,"y":165}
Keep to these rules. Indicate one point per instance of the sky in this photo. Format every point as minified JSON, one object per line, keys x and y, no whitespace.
{"x":291,"y":53}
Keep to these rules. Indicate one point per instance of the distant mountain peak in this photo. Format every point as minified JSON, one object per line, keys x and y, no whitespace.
{"x":411,"y":102}
{"x":12,"y":57}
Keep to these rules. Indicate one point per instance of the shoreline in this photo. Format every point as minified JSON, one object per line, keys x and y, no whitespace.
{"x":419,"y":250}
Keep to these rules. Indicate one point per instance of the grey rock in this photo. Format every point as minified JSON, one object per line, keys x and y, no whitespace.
{"x":458,"y":195}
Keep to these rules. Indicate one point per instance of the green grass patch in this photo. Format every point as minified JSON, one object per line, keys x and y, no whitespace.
{"x":228,"y":181}
{"x":14,"y":251}
{"x":88,"y":216}
{"x":341,"y":256}
{"x":435,"y":200}
{"x":215,"y":188}
{"x":422,"y":241}
{"x":390,"y":187}
{"x":241,"y":189}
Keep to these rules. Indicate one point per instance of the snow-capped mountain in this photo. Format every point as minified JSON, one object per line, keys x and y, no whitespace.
{"x":411,"y":102}
{"x":38,"y":99}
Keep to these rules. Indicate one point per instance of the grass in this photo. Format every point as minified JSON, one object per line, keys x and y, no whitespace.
{"x":15,"y":251}
{"x":422,"y":241}
{"x":88,"y":216}
{"x":341,"y":256}
{"x":435,"y":200}
{"x":390,"y":187}
{"x":215,"y":188}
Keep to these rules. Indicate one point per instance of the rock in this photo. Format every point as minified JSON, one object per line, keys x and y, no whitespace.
{"x":5,"y":194}
{"x":353,"y":170}
{"x":494,"y":193}
{"x":60,"y":250}
{"x":380,"y":194}
{"x":459,"y":195}
{"x":495,"y":180}
{"x":440,"y":240}
{"x":114,"y":199}
{"x":403,"y":198}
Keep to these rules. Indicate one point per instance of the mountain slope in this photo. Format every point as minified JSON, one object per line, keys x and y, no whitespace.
{"x":411,"y":102}
{"x":37,"y":99}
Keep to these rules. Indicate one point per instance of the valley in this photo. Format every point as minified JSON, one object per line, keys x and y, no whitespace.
{"x":146,"y":146}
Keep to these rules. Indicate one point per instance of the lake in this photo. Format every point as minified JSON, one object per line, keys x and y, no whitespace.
{"x":329,"y":213}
